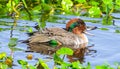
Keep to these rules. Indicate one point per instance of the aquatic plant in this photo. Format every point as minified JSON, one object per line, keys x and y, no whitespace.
{"x":59,"y":63}
{"x":41,"y":10}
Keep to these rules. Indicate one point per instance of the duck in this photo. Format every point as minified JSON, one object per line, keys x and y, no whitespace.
{"x":72,"y":36}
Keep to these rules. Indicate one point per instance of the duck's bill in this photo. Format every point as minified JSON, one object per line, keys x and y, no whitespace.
{"x":88,"y":33}
{"x":91,"y":27}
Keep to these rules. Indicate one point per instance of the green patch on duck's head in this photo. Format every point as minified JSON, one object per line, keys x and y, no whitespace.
{"x":72,"y":26}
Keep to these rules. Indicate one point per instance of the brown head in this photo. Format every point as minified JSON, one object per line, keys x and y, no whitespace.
{"x":79,"y":27}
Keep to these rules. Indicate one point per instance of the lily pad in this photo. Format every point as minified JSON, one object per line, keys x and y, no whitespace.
{"x":65,"y":51}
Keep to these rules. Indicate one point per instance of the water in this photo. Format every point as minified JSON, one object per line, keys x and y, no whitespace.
{"x":106,"y":43}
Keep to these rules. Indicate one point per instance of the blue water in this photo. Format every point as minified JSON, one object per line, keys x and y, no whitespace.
{"x":106,"y":43}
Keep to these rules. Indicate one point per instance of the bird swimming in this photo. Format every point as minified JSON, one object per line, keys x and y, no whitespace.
{"x":72,"y":36}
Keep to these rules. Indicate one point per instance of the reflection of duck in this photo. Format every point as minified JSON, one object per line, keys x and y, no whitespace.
{"x":60,"y":36}
{"x":79,"y":54}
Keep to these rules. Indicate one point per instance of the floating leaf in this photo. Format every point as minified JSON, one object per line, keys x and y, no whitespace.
{"x":16,"y":49}
{"x":12,"y":42}
{"x":1,"y":29}
{"x":117,"y":31}
{"x":107,"y":20}
{"x":2,"y":55}
{"x":30,"y":30}
{"x":65,"y":51}
{"x":22,"y":62}
{"x":103,"y":67}
{"x":104,"y":28}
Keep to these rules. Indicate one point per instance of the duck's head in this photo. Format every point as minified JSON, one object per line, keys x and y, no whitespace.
{"x":77,"y":26}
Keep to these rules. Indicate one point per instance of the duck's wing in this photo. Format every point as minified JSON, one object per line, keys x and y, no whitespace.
{"x":59,"y":34}
{"x":46,"y":35}
{"x":40,"y":38}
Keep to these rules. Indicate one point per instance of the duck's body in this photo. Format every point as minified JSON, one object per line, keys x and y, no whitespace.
{"x":74,"y":38}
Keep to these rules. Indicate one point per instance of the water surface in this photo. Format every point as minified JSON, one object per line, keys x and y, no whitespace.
{"x":106,"y":42}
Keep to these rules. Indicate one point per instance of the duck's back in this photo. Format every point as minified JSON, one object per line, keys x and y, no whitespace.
{"x":59,"y":34}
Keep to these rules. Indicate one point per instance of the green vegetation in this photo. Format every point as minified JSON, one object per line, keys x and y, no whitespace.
{"x":117,"y":31}
{"x":104,"y":28}
{"x":42,"y":10}
{"x":59,"y":63}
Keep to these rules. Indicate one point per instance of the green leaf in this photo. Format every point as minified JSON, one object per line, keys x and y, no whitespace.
{"x":65,"y":65}
{"x":3,"y":66}
{"x":65,"y":51}
{"x":36,"y":9}
{"x":43,"y":1}
{"x":81,"y":1}
{"x":107,"y":2}
{"x":104,"y":28}
{"x":117,"y":31}
{"x":9,"y":6}
{"x":57,"y":59}
{"x":22,"y":62}
{"x":16,"y":1}
{"x":2,"y":55}
{"x":118,"y":67}
{"x":30,"y":30}
{"x":105,"y":66}
{"x":32,"y":67}
{"x":107,"y":20}
{"x":66,"y":5}
{"x":1,"y":29}
{"x":76,"y":65}
{"x":43,"y":64}
{"x":94,"y":12}
{"x":118,"y":2}
{"x":16,"y":49}
{"x":94,"y":3}
{"x":24,"y":3}
{"x":46,"y":8}
{"x":12,"y":42}
{"x":88,"y":66}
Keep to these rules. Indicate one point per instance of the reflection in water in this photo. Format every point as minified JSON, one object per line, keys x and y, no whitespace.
{"x":79,"y":53}
{"x":11,"y":32}
{"x":11,"y":36}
